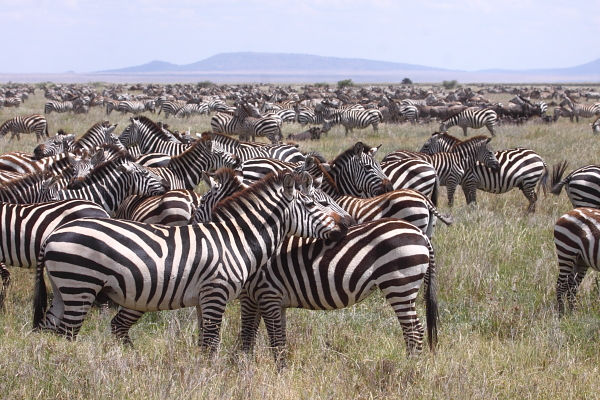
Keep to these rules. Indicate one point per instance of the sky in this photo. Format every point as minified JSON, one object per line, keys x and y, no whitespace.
{"x":56,"y":36}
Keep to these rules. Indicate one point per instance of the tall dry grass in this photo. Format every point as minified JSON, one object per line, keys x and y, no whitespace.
{"x":499,"y":334}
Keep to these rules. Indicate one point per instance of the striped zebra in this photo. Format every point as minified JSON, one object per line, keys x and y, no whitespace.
{"x":26,"y":226}
{"x":171,"y":107}
{"x":576,"y":236}
{"x":192,"y":109}
{"x":111,"y":182}
{"x":257,"y":126}
{"x":98,"y":134}
{"x":5,"y":275}
{"x":184,"y":171}
{"x":596,"y":126}
{"x":58,"y":106}
{"x":475,"y":118}
{"x":36,"y":187}
{"x":354,"y":119}
{"x":456,"y":166}
{"x":110,"y":105}
{"x":150,"y":137}
{"x":355,"y":171}
{"x":413,"y":174}
{"x":174,"y":208}
{"x":582,"y":110}
{"x":519,"y":168}
{"x":135,"y":107}
{"x":146,"y":267}
{"x":582,"y":185}
{"x":27,"y":124}
{"x":389,"y":254}
{"x":247,"y":150}
{"x":563,"y":112}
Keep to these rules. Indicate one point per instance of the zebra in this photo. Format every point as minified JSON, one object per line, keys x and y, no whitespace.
{"x":576,"y":236}
{"x":36,"y":187}
{"x":192,"y":109}
{"x":171,"y":107}
{"x":208,"y":263}
{"x":456,"y":166}
{"x":355,"y":171}
{"x":389,"y":254}
{"x":35,"y":123}
{"x":112,"y":181}
{"x":175,"y":207}
{"x":110,"y":105}
{"x":351,"y":119}
{"x":596,"y":126}
{"x":150,"y":137}
{"x":582,"y":185}
{"x":26,"y":227}
{"x":474,"y":118}
{"x":247,"y":150}
{"x":5,"y":275}
{"x":519,"y":167}
{"x":135,"y":107}
{"x":98,"y":134}
{"x":413,"y":174}
{"x":184,"y":171}
{"x":563,"y":112}
{"x":582,"y":110}
{"x":58,"y":106}
{"x":257,"y":126}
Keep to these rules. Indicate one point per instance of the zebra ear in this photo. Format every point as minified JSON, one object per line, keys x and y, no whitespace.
{"x":488,"y":140}
{"x":358,"y":148}
{"x":318,"y":181}
{"x":289,"y":186}
{"x":374,"y":150}
{"x":309,"y":162}
{"x":307,"y":182}
{"x":326,"y":167}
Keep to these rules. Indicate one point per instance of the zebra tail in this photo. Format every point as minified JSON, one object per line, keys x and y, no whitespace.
{"x":543,"y":182}
{"x":431,"y":301}
{"x":436,"y":192}
{"x":40,"y":296}
{"x":557,"y":172}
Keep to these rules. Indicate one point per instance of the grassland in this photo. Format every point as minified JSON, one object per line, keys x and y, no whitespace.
{"x":499,"y":334}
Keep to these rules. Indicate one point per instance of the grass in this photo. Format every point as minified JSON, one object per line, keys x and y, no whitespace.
{"x":499,"y":336}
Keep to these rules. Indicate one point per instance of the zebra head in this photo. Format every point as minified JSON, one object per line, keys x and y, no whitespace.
{"x":438,"y":142}
{"x":83,"y":163}
{"x":357,"y":173}
{"x":223,"y":183}
{"x":485,"y":155}
{"x":596,"y":126}
{"x":57,"y":144}
{"x":142,"y":181}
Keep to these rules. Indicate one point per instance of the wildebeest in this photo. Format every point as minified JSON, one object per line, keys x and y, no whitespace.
{"x":313,"y":133}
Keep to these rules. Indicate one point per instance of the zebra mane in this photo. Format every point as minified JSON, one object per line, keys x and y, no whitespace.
{"x":317,"y":169}
{"x":26,"y":181}
{"x":152,"y":126}
{"x":454,"y":139}
{"x":228,"y":204}
{"x":474,"y":139}
{"x":121,"y":156}
{"x":349,"y":153}
{"x":220,"y":138}
{"x":316,"y":155}
{"x":90,"y":132}
{"x":191,"y":150}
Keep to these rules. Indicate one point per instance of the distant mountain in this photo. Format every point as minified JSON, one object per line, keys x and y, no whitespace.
{"x":281,"y":67}
{"x":275,"y":62}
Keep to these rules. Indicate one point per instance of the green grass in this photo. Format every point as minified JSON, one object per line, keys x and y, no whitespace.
{"x":499,"y":336}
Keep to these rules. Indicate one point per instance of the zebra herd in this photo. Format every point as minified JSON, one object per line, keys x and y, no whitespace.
{"x":110,"y":217}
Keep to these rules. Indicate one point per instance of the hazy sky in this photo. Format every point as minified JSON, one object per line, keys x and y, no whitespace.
{"x":84,"y":36}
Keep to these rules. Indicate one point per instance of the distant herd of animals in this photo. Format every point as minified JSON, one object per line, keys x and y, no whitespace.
{"x":109,"y":216}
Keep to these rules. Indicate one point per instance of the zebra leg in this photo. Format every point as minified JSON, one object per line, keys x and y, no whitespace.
{"x":250,"y":321}
{"x":531,"y":195}
{"x":210,"y":313}
{"x":573,"y":283}
{"x":412,"y":329}
{"x":76,"y":307}
{"x":122,"y":322}
{"x":274,"y":317}
{"x":5,"y":274}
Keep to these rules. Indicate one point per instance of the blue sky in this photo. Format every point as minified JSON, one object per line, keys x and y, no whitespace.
{"x":84,"y":36}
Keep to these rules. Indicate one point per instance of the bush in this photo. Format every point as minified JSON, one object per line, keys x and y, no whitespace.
{"x":321,"y":84}
{"x":450,"y":84}
{"x":345,"y":83}
{"x":407,"y":81}
{"x":205,"y":84}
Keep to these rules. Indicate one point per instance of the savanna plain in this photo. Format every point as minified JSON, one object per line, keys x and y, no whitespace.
{"x":499,"y":334}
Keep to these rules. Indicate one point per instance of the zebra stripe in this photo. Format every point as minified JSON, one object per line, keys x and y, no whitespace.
{"x":351,"y":119}
{"x":175,"y":207}
{"x":576,"y":236}
{"x":136,"y":107}
{"x":246,"y":150}
{"x":150,"y":137}
{"x":390,"y":254}
{"x":147,"y":267}
{"x":412,"y":174}
{"x":99,"y":134}
{"x":37,"y":187}
{"x":582,"y":185}
{"x":58,"y":106}
{"x":27,"y":124}
{"x":471,"y":118}
{"x":596,"y":126}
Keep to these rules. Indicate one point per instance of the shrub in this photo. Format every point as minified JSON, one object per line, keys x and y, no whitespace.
{"x":205,"y":84}
{"x":407,"y":81}
{"x":345,"y":83}
{"x":450,"y":84}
